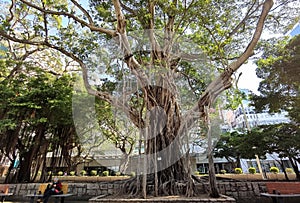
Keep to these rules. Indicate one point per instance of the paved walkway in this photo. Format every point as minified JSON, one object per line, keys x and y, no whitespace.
{"x":50,"y":202}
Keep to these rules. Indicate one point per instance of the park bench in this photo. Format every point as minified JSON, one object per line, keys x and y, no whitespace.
{"x":42,"y":187}
{"x":4,"y":192}
{"x":281,"y":191}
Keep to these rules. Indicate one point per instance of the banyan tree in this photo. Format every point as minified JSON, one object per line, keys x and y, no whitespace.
{"x":160,"y":64}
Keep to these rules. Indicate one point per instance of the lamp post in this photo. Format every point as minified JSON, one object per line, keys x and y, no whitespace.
{"x":258,"y":165}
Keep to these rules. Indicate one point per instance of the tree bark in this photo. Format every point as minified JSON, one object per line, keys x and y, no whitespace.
{"x":211,"y":168}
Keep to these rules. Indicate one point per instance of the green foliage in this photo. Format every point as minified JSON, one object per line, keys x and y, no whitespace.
{"x":238,"y":170}
{"x":274,"y":169}
{"x":223,"y":171}
{"x":72,"y":173}
{"x":93,"y":173}
{"x":43,"y":103}
{"x":283,"y":139}
{"x":132,"y":174}
{"x":60,"y":173}
{"x":83,"y":172}
{"x":196,"y":173}
{"x":234,"y":98}
{"x":235,"y":145}
{"x":105,"y":173}
{"x":228,"y":145}
{"x":278,"y":69}
{"x":118,"y":173}
{"x":252,"y":170}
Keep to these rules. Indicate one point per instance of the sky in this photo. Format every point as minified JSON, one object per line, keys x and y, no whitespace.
{"x":248,"y":79}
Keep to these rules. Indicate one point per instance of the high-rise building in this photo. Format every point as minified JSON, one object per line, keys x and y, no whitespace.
{"x":246,"y":117}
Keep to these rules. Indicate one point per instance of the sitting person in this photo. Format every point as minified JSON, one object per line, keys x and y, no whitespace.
{"x":52,"y":189}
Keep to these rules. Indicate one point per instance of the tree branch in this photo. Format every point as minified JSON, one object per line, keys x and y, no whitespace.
{"x":11,"y":11}
{"x":223,"y":82}
{"x":45,"y":23}
{"x":125,"y":46}
{"x":133,"y":12}
{"x":248,"y":14}
{"x":84,"y":12}
{"x":105,"y":96}
{"x":256,"y":36}
{"x":62,"y":13}
{"x":22,"y":58}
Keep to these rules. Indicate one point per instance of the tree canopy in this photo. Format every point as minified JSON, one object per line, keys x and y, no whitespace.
{"x":279,"y":69}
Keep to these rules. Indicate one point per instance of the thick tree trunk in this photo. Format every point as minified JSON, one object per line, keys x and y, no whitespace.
{"x":165,"y":163}
{"x":28,"y":156}
{"x":25,"y":167}
{"x":172,"y":175}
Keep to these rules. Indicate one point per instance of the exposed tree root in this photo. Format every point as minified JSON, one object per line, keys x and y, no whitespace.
{"x":133,"y":187}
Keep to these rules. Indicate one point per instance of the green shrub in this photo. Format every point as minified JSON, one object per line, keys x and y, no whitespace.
{"x":118,"y":173}
{"x":132,"y":174}
{"x":49,"y":173}
{"x":238,"y":170}
{"x":83,"y":172}
{"x":223,"y":171}
{"x":252,"y":170}
{"x":60,"y":173}
{"x":93,"y":173}
{"x":196,"y":173}
{"x":289,"y":170}
{"x":72,"y":173}
{"x":105,"y":173}
{"x":274,"y":169}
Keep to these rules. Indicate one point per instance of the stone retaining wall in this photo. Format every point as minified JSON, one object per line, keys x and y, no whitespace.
{"x":246,"y":192}
{"x":80,"y":191}
{"x":243,"y":192}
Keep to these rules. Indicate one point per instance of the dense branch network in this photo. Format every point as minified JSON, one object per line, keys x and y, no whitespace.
{"x":158,"y":53}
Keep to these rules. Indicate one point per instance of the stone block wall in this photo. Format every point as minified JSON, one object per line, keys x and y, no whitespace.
{"x":243,"y":192}
{"x":80,"y":191}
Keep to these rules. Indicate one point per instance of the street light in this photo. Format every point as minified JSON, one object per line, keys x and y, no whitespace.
{"x":258,"y":165}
